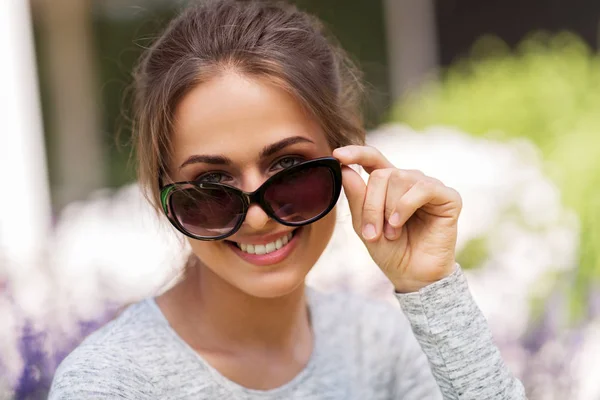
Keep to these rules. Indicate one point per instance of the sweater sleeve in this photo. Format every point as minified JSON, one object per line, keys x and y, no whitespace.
{"x":457,"y":342}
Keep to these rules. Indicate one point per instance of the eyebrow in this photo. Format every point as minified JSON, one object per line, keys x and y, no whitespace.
{"x":271,"y":149}
{"x":267,"y":151}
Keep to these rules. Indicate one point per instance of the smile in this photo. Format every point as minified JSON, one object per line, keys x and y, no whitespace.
{"x":271,"y":253}
{"x":266,"y":248}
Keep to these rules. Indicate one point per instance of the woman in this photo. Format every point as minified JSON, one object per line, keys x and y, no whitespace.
{"x":246,"y":120}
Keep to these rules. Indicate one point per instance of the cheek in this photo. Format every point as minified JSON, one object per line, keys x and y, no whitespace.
{"x":206,"y":251}
{"x":322,"y":230}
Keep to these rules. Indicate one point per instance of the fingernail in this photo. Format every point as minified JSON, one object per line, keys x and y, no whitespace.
{"x":369,"y":231}
{"x":395,"y":219}
{"x":342,"y":152}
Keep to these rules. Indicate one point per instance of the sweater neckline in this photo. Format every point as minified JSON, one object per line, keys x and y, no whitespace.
{"x":237,"y":389}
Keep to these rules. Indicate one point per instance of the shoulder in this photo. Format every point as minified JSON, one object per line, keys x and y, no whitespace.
{"x":105,"y":364}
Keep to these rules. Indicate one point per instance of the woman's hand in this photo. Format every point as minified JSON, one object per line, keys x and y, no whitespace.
{"x":407,"y":220}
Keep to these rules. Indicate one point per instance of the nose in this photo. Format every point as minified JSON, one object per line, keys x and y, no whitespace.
{"x":256,"y":218}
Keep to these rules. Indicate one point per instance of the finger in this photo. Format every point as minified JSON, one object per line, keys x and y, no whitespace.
{"x":389,"y":232}
{"x":400,"y":182}
{"x":355,"y":189}
{"x":368,"y":157}
{"x":422,"y":193}
{"x":374,"y":204}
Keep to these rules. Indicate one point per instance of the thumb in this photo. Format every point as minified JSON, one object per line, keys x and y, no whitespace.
{"x":355,"y":189}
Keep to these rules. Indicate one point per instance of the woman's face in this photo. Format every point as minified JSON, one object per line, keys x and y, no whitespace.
{"x":245,"y":131}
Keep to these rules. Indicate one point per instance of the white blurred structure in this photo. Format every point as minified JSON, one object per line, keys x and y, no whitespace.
{"x":586,"y":363}
{"x":24,"y":203}
{"x":112,"y":249}
{"x":24,"y":197}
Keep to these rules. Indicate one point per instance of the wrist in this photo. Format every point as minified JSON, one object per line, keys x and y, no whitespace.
{"x":414,"y":285}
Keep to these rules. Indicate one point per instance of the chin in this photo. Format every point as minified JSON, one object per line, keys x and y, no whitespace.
{"x":268,"y":278}
{"x":273,"y":286}
{"x":275,"y":280}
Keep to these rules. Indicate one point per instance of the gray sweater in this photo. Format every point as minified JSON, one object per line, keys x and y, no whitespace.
{"x":363,"y":350}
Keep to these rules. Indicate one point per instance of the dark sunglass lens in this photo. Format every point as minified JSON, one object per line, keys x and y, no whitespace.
{"x":303,"y":195}
{"x":207,"y":212}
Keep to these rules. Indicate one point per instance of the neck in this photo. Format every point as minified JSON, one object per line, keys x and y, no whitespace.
{"x":217,"y":312}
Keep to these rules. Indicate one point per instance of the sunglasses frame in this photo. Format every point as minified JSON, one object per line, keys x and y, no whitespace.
{"x":256,"y":197}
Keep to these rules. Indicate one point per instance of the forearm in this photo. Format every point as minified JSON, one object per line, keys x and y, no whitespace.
{"x":457,"y":341}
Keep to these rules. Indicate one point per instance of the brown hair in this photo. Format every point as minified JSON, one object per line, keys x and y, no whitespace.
{"x":261,"y":39}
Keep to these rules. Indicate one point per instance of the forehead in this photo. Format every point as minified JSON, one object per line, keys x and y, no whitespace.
{"x":237,"y":116}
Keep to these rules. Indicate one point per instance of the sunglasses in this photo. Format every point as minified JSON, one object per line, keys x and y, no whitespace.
{"x":297,"y":196}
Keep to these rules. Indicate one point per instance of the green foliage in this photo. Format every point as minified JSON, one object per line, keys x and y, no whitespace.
{"x":547,"y":90}
{"x":474,"y":253}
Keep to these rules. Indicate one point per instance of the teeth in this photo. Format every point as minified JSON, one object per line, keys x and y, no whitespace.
{"x":259,"y":249}
{"x":265,"y":248}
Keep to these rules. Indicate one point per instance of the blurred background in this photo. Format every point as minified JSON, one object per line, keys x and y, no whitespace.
{"x":499,"y":99}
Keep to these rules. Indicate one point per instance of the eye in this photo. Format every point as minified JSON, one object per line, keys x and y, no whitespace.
{"x":212,"y":177}
{"x":286,"y":162}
